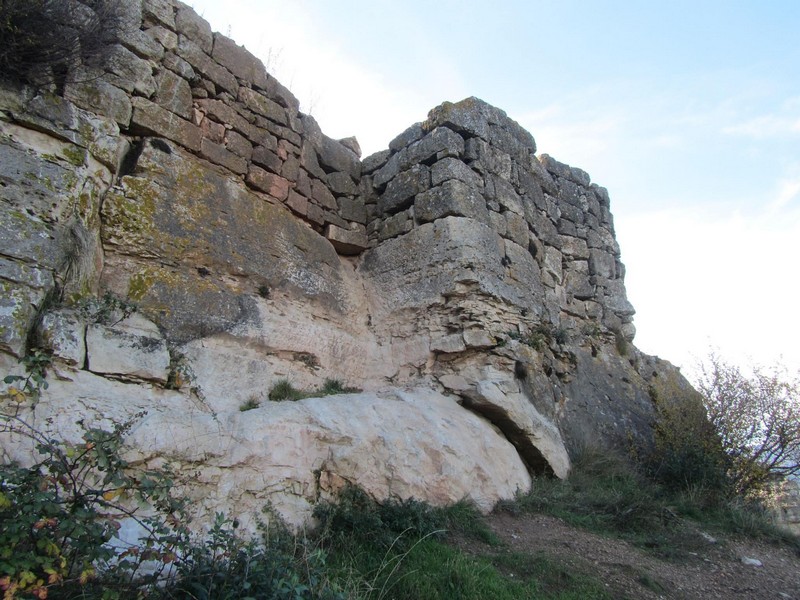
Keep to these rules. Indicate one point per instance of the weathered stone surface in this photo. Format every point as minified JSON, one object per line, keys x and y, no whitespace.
{"x":221,"y":156}
{"x":168,"y":39}
{"x":452,"y":168}
{"x":63,"y":333}
{"x":150,"y":118}
{"x":174,"y":94}
{"x":401,"y":190}
{"x":239,"y":61}
{"x":342,"y":184}
{"x":143,"y":45}
{"x":194,"y":55}
{"x":102,"y":97}
{"x":347,"y":241}
{"x":188,"y":23}
{"x":133,"y":73}
{"x":269,"y":183}
{"x":451,"y":199}
{"x":159,"y":11}
{"x":536,"y":438}
{"x":338,"y":157}
{"x":262,"y":105}
{"x":133,"y":347}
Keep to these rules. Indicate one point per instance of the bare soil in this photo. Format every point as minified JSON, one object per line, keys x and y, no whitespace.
{"x":704,"y":568}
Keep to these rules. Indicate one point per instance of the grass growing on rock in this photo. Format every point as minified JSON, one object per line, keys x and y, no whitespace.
{"x":284,"y":390}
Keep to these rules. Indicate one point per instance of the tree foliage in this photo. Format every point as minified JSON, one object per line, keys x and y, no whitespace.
{"x":42,"y":41}
{"x":757,"y":417}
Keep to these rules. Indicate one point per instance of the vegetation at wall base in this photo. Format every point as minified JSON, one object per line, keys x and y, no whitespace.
{"x":609,"y":494}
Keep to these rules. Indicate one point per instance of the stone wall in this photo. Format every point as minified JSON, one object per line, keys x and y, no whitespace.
{"x":172,"y":78}
{"x":471,"y":288}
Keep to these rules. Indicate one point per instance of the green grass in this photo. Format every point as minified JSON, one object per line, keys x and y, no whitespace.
{"x":399,"y":550}
{"x":283,"y":390}
{"x":606,"y":494}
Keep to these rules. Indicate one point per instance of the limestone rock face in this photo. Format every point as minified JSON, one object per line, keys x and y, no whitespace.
{"x":473,"y":289}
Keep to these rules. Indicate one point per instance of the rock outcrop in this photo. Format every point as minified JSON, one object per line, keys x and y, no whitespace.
{"x":472,"y":289}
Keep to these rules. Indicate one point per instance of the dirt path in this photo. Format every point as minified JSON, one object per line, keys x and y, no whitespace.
{"x":711,"y":570}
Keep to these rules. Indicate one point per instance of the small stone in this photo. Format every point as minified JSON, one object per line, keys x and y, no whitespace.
{"x":269,"y":183}
{"x":347,"y":242}
{"x":751,"y":562}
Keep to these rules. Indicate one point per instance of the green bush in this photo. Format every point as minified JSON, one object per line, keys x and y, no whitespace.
{"x":284,"y":390}
{"x":688,"y":451}
{"x":227,"y":566}
{"x":58,"y":516}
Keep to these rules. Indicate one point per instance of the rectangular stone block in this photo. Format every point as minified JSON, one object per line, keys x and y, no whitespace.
{"x":267,"y":159}
{"x":347,"y":241}
{"x":239,"y":61}
{"x":263,"y":106}
{"x":297,"y":203}
{"x":453,"y":168}
{"x":323,"y":196}
{"x":451,"y":199}
{"x":174,"y":94}
{"x":238,"y":144}
{"x":401,"y":190}
{"x":269,"y":183}
{"x":151,"y":119}
{"x":194,"y":27}
{"x":194,"y":55}
{"x":220,"y":156}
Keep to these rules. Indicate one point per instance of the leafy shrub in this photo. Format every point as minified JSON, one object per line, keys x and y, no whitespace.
{"x":688,"y":451}
{"x":43,"y":39}
{"x":757,"y":418}
{"x":58,"y":516}
{"x":229,"y":567}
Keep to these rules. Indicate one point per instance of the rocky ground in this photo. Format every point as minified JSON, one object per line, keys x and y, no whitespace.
{"x":704,"y":568}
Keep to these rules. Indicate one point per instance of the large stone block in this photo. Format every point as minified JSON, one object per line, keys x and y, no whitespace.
{"x":402,"y":190}
{"x":194,"y":27}
{"x":347,"y":241}
{"x":149,"y":118}
{"x":338,"y":157}
{"x":173,"y":94}
{"x":101,"y":97}
{"x":262,"y":105}
{"x":194,"y":55}
{"x":269,"y":183}
{"x":133,"y":347}
{"x":239,"y":61}
{"x":451,"y":199}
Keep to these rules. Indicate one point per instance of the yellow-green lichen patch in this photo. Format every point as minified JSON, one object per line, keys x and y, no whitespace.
{"x":128,"y":213}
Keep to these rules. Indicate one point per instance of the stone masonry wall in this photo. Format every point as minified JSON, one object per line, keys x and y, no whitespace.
{"x":171,"y":77}
{"x":470,"y":160}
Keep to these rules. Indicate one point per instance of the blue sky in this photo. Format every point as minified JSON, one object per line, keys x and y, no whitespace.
{"x":688,"y":112}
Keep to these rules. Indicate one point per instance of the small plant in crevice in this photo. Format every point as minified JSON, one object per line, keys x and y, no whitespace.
{"x":622,"y":345}
{"x":180,"y":371}
{"x":284,"y":390}
{"x":250,"y":404}
{"x":331,"y":387}
{"x":109,"y":310}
